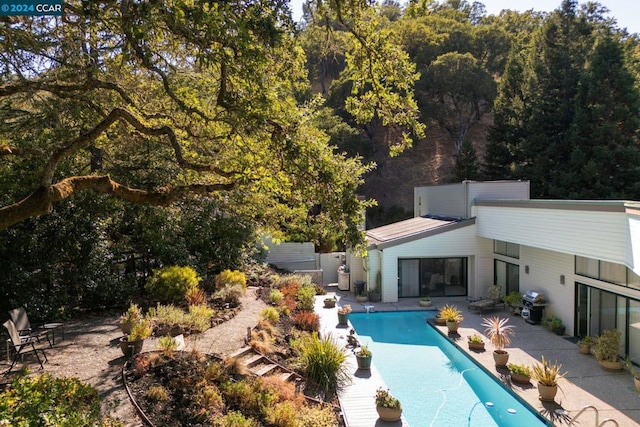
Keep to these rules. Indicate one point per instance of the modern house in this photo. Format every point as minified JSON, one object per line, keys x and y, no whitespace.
{"x":583,"y":255}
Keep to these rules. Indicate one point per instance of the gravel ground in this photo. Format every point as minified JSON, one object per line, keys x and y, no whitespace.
{"x":90,"y":351}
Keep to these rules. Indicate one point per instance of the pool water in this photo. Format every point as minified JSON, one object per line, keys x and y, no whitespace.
{"x":437,"y":384}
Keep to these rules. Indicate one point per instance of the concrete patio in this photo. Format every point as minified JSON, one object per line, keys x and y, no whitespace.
{"x":586,"y":384}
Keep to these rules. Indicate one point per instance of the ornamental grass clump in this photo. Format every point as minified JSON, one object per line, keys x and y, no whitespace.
{"x":322,"y":360}
{"x":499,"y":332}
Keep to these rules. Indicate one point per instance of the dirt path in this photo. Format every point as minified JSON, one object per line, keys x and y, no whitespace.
{"x":91,"y":352}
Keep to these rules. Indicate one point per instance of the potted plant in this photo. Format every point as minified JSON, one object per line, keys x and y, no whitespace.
{"x":550,"y":322}
{"x":584,"y":345}
{"x":500,"y":334}
{"x":343,"y":314}
{"x":129,"y":318}
{"x":636,"y":374}
{"x":606,"y":349}
{"x":132,"y":343}
{"x":387,"y":406}
{"x":425,"y":301}
{"x":363,"y":357}
{"x":476,"y":343}
{"x":514,"y":301}
{"x":519,"y":373}
{"x":329,"y":302}
{"x":547,"y":375}
{"x":557,"y":326}
{"x":453,"y":316}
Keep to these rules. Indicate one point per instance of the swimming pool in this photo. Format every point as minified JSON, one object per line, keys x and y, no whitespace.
{"x":437,"y":384}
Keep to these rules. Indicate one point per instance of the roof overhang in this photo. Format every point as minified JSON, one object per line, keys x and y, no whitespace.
{"x":412,"y":229}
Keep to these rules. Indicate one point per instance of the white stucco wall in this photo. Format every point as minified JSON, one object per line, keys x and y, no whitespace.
{"x":461,"y":242}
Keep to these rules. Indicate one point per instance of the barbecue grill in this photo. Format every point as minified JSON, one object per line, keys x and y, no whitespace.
{"x":533,"y":304}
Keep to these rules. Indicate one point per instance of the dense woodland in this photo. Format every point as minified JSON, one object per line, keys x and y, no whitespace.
{"x":135,"y":135}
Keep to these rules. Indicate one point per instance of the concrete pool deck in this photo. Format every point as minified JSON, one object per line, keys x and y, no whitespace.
{"x":586,"y":384}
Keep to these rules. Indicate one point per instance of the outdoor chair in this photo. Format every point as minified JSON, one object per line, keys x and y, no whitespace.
{"x":22,"y":345}
{"x":492,"y":300}
{"x":21,"y":321}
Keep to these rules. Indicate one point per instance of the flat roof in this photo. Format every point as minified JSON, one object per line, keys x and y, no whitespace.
{"x":412,"y":229}
{"x":577,"y":205}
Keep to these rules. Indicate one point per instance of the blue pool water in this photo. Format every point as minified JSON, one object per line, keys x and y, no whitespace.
{"x":437,"y":384}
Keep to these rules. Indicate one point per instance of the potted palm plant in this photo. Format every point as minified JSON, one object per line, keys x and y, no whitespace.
{"x":606,"y":349}
{"x":453,"y":316}
{"x":547,"y":375}
{"x":387,"y":406}
{"x":363,"y":357}
{"x":500,"y":334}
{"x":519,"y":373}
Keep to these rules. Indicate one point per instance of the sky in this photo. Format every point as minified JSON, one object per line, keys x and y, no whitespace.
{"x":626,"y":12}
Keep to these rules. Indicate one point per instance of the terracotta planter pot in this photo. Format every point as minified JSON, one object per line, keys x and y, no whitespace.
{"x":131,"y":348}
{"x":584,"y":349}
{"x":389,"y":414}
{"x":501,"y":358}
{"x":477,"y":346}
{"x":611,"y":366}
{"x":364,"y":362}
{"x":452,"y":326}
{"x":547,"y":393}
{"x":343,"y":319}
{"x":519,"y":378}
{"x":329,"y":303}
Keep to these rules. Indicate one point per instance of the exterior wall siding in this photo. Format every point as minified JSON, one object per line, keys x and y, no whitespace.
{"x":457,"y":243}
{"x":545,"y":269}
{"x":439,"y":200}
{"x":599,"y":235}
{"x":633,"y":244}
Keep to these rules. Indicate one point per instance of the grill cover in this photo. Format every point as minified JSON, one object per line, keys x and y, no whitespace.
{"x":533,"y":297}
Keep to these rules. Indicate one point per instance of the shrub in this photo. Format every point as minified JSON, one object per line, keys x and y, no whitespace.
{"x":261,"y":341}
{"x":167,"y":344}
{"x":270,"y":314}
{"x":171,"y":284}
{"x":169,"y":315}
{"x":307,"y":321}
{"x":275,"y":296}
{"x":288,"y":305}
{"x":209,"y":397}
{"x":228,"y":278}
{"x":317,"y":416}
{"x":306,"y":297}
{"x":230,"y":294}
{"x":157,"y":393}
{"x":140,"y":331}
{"x":322,"y":361}
{"x":200,"y":317}
{"x":44,"y":400}
{"x":291,"y":290}
{"x":235,"y":419}
{"x":195,"y":296}
{"x":247,"y":397}
{"x":283,"y":414}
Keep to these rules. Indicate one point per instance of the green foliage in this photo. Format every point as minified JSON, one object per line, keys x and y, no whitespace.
{"x":385,"y":399}
{"x":322,"y":361}
{"x":43,"y":400}
{"x":200,"y":317}
{"x":519,"y":369}
{"x":322,"y":416}
{"x":231,"y":294}
{"x":171,"y":284}
{"x":157,"y":393}
{"x":167,"y":344}
{"x":140,"y":331}
{"x":547,"y":373}
{"x":306,"y":297}
{"x":607,"y":345}
{"x":230,"y":278}
{"x":275,"y":296}
{"x":234,"y":419}
{"x":270,"y":314}
{"x":467,"y":166}
{"x":169,"y":315}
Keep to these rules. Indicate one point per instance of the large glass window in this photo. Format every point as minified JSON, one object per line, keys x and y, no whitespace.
{"x":610,"y":272}
{"x":507,"y":276}
{"x":506,"y":248}
{"x":432,"y":276}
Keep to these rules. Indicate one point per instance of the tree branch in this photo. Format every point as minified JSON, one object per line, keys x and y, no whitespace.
{"x":41,"y":201}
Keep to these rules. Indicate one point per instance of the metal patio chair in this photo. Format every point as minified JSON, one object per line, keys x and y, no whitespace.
{"x":21,"y":321}
{"x":23,"y":345}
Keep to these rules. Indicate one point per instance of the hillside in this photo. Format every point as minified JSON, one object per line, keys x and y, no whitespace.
{"x":429,"y":162}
